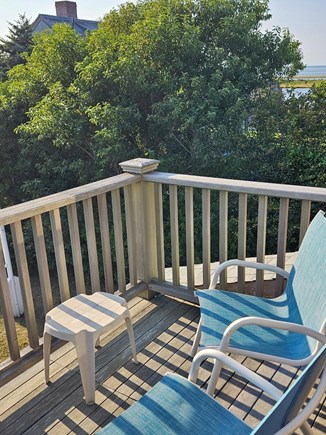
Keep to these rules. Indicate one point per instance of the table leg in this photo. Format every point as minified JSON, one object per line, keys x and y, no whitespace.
{"x":46,"y":355}
{"x":130,"y":330}
{"x":85,"y":348}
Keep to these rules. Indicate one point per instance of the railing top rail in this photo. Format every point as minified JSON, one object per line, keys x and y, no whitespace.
{"x":37,"y":206}
{"x":240,"y":186}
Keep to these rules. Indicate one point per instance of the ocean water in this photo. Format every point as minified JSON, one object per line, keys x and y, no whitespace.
{"x":313,"y":71}
{"x":297,"y":91}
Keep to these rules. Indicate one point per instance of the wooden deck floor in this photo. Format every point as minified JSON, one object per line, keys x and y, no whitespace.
{"x":164,"y":330}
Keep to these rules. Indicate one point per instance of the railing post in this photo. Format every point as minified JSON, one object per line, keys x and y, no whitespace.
{"x":144,"y":207}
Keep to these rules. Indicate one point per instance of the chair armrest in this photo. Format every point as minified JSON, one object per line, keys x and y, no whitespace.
{"x":224,"y":359}
{"x":269,"y":323}
{"x":242,"y":263}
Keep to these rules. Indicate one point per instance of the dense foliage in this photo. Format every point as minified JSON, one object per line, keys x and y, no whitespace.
{"x":174,"y":80}
{"x":17,"y":42}
{"x":188,"y":82}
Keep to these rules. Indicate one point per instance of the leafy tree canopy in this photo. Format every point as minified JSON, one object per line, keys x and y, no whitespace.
{"x":174,"y":80}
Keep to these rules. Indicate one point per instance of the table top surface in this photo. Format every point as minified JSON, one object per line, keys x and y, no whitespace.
{"x":87,"y":313}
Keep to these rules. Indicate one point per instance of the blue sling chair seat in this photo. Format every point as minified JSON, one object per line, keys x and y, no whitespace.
{"x":176,"y":405}
{"x":279,"y":329}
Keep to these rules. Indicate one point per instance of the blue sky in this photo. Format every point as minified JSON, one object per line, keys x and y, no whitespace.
{"x":304,"y":18}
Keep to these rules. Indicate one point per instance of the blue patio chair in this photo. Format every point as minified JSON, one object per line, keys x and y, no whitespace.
{"x":281,"y":329}
{"x":176,"y":405}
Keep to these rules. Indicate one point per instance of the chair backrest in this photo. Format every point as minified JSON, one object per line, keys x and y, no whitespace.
{"x":284,"y":412}
{"x":306,"y":286}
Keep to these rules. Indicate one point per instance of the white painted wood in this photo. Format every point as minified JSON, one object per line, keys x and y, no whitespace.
{"x":223,"y":235}
{"x":76,"y":249}
{"x":281,"y":241}
{"x":174,"y":222}
{"x":242,"y":238}
{"x":150,"y":240}
{"x":7,"y":312}
{"x":140,"y":231}
{"x":61,"y":199}
{"x":189,"y":208}
{"x":42,"y":263}
{"x":60,"y":256}
{"x":25,"y":283}
{"x":261,"y":241}
{"x":131,"y":233}
{"x":91,"y":244}
{"x":206,"y":234}
{"x":239,"y":186}
{"x":105,"y":242}
{"x":159,"y":231}
{"x":13,"y":281}
{"x":305,"y":219}
{"x":118,"y":237}
{"x":139,"y":165}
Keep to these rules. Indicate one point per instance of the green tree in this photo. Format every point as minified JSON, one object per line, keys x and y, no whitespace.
{"x":49,"y":68}
{"x":173,"y":80}
{"x":17,"y":42}
{"x":286,"y":141}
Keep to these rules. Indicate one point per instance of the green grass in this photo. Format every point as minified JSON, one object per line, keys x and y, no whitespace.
{"x":20,"y":323}
{"x":21,"y":337}
{"x":300,"y":83}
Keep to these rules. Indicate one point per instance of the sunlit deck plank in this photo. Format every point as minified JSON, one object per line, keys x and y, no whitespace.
{"x":164,"y":330}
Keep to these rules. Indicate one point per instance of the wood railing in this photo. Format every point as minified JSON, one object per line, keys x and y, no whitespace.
{"x":243,"y":189}
{"x":128,"y":227}
{"x":66,"y":213}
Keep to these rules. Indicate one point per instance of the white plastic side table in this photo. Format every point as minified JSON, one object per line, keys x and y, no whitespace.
{"x":82,"y":319}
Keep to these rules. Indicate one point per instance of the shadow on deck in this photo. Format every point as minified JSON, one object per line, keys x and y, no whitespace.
{"x":164,"y":330}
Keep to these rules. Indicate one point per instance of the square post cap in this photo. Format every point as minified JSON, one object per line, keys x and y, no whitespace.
{"x":139,"y":166}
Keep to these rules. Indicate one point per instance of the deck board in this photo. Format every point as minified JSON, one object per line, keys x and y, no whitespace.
{"x":164,"y":330}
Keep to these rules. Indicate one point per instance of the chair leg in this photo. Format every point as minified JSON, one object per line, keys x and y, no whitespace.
{"x":214,"y":378}
{"x":46,"y":355}
{"x":196,"y":340}
{"x":85,"y":348}
{"x":306,"y":429}
{"x":130,"y":330}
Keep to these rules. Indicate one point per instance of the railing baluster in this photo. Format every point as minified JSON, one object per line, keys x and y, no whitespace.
{"x":281,"y":242}
{"x":206,"y":234}
{"x":25,"y":283}
{"x":7,"y":311}
{"x":75,"y":248}
{"x":131,"y":233}
{"x":305,"y":219}
{"x":242,"y":239}
{"x":223,"y":232}
{"x":42,"y":263}
{"x":105,"y":241}
{"x":159,"y":231}
{"x":174,"y":222}
{"x":189,"y":204}
{"x":60,"y":256}
{"x":91,"y":244}
{"x":118,"y":237}
{"x":150,"y":240}
{"x":261,"y":241}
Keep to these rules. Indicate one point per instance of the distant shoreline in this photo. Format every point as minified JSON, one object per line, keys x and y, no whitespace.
{"x":299,"y":83}
{"x":306,"y":78}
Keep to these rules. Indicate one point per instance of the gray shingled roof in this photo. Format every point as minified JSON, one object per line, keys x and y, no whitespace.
{"x":43,"y":22}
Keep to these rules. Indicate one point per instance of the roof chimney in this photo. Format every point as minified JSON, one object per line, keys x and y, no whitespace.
{"x":66,"y":9}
